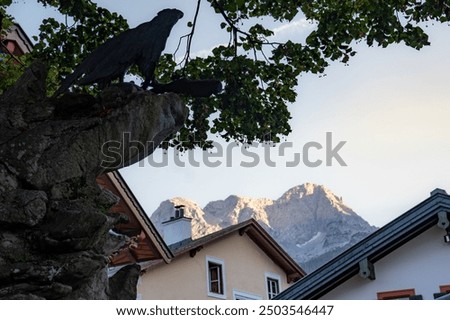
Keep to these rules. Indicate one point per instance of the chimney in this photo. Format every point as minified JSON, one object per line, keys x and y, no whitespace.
{"x":178,"y":228}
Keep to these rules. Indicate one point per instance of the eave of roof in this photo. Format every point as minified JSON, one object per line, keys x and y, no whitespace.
{"x":16,"y":32}
{"x":257,"y":234}
{"x":374,"y":247}
{"x":140,"y":215}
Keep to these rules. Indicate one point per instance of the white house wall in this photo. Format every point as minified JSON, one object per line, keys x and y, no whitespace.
{"x":422,"y":264}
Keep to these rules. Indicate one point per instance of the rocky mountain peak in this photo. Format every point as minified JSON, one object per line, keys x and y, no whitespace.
{"x":309,"y":220}
{"x":314,"y":193}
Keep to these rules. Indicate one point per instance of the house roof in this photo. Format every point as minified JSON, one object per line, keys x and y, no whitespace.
{"x":147,"y":244}
{"x":256,"y":233}
{"x":16,"y":34}
{"x":431,"y":212}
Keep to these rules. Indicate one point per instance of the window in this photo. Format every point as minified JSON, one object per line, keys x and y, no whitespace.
{"x":216,"y":278}
{"x":179,"y":211}
{"x":239,"y":295}
{"x":406,"y":294}
{"x":272,"y":284}
{"x":273,"y":287}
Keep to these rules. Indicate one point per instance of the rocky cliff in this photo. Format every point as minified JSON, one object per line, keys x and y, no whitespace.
{"x":54,"y":219}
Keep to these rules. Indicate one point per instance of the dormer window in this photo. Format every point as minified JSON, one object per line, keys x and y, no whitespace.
{"x":179,"y":212}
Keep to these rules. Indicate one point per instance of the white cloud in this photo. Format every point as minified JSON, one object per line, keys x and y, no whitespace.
{"x":293,"y":27}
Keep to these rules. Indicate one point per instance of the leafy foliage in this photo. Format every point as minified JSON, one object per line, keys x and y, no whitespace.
{"x":258,"y":90}
{"x":259,"y":75}
{"x":64,"y":45}
{"x":5,"y":19}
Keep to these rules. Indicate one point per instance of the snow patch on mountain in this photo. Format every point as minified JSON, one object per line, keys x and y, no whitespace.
{"x":318,"y":237}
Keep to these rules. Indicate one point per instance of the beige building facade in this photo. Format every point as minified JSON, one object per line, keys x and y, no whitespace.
{"x":240,"y":262}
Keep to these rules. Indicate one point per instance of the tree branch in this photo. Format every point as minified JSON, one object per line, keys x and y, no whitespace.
{"x":235,"y":30}
{"x":229,"y":21}
{"x":191,"y":35}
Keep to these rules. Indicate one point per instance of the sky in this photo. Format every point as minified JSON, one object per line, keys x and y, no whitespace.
{"x":389,"y":107}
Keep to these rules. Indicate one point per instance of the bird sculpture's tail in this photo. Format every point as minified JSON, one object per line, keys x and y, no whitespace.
{"x":192,"y":88}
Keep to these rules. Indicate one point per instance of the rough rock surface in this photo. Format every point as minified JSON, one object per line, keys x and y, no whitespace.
{"x":123,"y":284}
{"x":54,"y":219}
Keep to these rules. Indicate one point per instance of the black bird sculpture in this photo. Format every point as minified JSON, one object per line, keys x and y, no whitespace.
{"x":142,"y":46}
